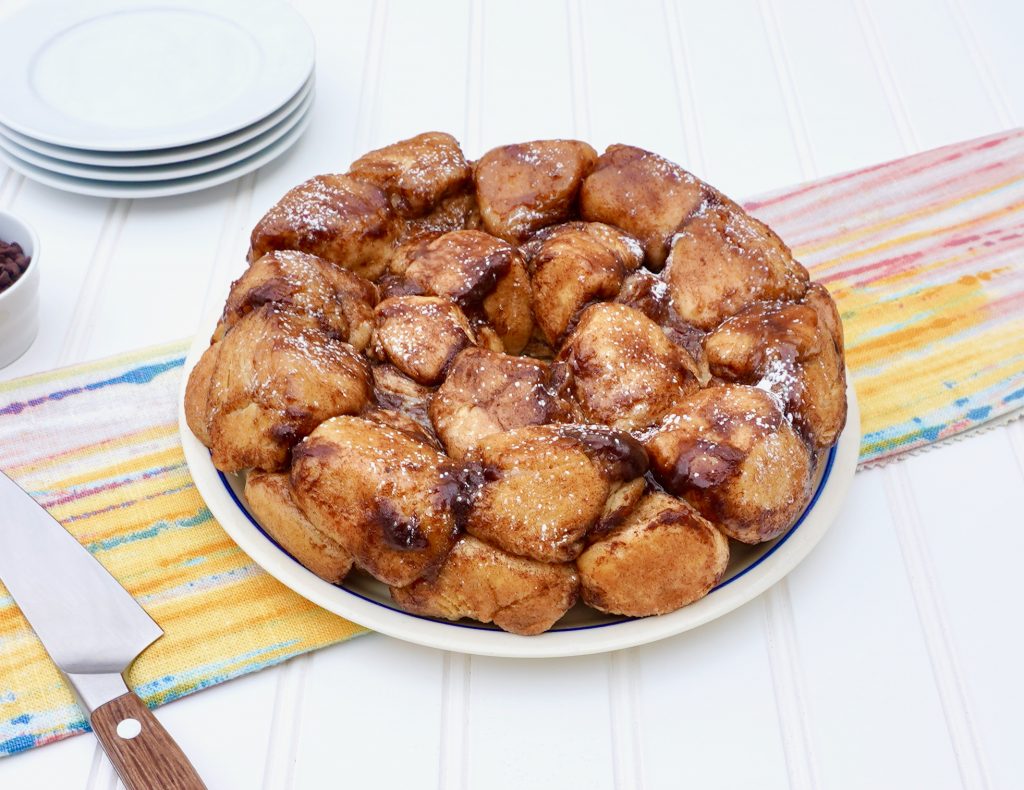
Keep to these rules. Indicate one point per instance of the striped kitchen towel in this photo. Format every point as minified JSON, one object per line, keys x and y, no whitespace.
{"x":924,"y":255}
{"x":97,"y":445}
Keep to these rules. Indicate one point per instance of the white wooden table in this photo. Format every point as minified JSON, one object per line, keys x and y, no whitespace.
{"x":891,"y":658}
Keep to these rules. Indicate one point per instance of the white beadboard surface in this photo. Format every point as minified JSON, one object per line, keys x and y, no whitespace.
{"x":891,"y":658}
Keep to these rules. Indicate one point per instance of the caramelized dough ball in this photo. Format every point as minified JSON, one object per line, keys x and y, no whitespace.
{"x":393,"y":283}
{"x":483,"y":275}
{"x":519,"y":595}
{"x":536,"y":493}
{"x":789,"y":350}
{"x":276,"y":377}
{"x":346,"y":221}
{"x":573,"y":265}
{"x":523,"y":187}
{"x":616,"y":454}
{"x":416,"y":174}
{"x":296,"y":282}
{"x":397,"y":392}
{"x":487,"y":392}
{"x":648,"y":293}
{"x":642,"y":193}
{"x":723,"y":259}
{"x":385,"y":497}
{"x":622,"y":498}
{"x":621,"y":369}
{"x":269,"y":496}
{"x":824,"y":305}
{"x":421,"y":335}
{"x":197,"y":394}
{"x":664,"y":556}
{"x":732,"y":454}
{"x":508,"y":310}
{"x":622,"y":461}
{"x":745,"y":346}
{"x":458,"y":212}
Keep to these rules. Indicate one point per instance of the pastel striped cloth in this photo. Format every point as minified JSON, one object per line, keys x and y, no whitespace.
{"x":924,"y":255}
{"x":97,"y":445}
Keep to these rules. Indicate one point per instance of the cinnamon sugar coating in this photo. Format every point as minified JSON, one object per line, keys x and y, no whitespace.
{"x":664,"y":556}
{"x":477,"y":580}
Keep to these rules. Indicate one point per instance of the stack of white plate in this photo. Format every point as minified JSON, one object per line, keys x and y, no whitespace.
{"x":145,"y":98}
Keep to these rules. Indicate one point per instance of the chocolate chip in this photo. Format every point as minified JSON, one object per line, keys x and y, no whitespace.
{"x":13,"y":263}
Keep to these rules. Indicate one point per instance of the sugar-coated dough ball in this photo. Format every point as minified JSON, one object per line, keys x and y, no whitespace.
{"x":421,"y":335}
{"x":647,"y":292}
{"x":269,"y":496}
{"x":395,"y":391}
{"x":663,"y":556}
{"x":458,"y":212}
{"x":723,"y":259}
{"x":789,"y":350}
{"x":416,"y":174}
{"x":488,"y":392}
{"x":824,"y":305}
{"x":298,"y":282}
{"x":643,"y":194}
{"x":346,"y":221}
{"x":197,"y":394}
{"x":536,"y":493}
{"x":573,"y":265}
{"x":732,"y":454}
{"x":521,"y":188}
{"x":485,"y":276}
{"x":276,"y":377}
{"x":621,"y":369}
{"x":477,"y":580}
{"x":382,"y":495}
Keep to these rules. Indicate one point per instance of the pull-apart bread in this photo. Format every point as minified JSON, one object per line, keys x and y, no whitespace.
{"x":501,"y":387}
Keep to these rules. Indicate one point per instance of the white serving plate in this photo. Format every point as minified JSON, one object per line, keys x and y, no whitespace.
{"x":122,"y":75}
{"x":365,"y":601}
{"x":161,"y":156}
{"x":168,"y":172}
{"x":153,"y":189}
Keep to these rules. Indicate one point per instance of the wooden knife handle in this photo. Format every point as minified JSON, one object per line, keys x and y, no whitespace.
{"x":147,"y":760}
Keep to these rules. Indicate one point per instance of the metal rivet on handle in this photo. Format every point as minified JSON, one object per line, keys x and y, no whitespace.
{"x":129,"y":728}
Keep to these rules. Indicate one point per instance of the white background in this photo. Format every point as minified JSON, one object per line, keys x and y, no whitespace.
{"x":891,"y":658}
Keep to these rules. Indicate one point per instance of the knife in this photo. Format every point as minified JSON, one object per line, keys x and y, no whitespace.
{"x":93,"y":630}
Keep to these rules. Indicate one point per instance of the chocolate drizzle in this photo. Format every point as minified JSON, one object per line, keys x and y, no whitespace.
{"x":701,"y":464}
{"x":400,"y":532}
{"x":461,"y":485}
{"x":620,"y":455}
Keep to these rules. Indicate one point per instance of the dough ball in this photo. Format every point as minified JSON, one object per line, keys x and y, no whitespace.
{"x":477,"y":580}
{"x":382,"y":495}
{"x":524,"y":187}
{"x":665,"y":555}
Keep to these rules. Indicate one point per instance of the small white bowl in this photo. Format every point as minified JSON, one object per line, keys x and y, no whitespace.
{"x":19,"y":304}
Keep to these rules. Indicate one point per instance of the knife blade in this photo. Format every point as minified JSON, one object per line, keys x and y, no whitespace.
{"x":93,"y":630}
